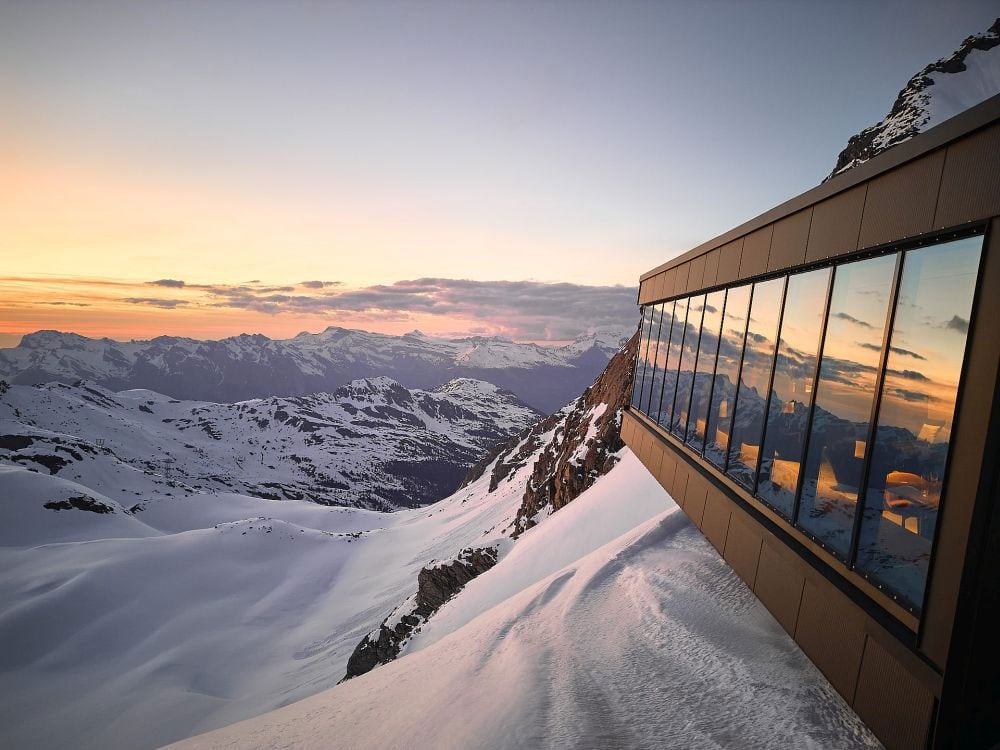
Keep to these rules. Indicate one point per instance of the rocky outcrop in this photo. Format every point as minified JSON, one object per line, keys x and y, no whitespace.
{"x":585,"y":445}
{"x":912,"y":113}
{"x":436,"y":584}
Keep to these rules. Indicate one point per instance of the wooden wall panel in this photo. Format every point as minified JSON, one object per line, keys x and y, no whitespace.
{"x":788,"y":245}
{"x":901,"y":203}
{"x":831,"y":632}
{"x":756,"y":247}
{"x":716,"y":519}
{"x":742,"y":550}
{"x":970,"y":184}
{"x":779,"y":586}
{"x":891,"y":701}
{"x":679,"y":486}
{"x":730,"y":256}
{"x":667,"y":468}
{"x":836,"y":223}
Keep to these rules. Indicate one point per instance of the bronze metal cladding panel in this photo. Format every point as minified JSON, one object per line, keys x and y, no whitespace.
{"x":661,"y":282}
{"x":970,"y":185}
{"x":742,"y":549}
{"x":669,"y":282}
{"x":681,"y":283}
{"x":626,"y":431}
{"x":712,"y":267}
{"x":644,"y":287}
{"x":788,"y":245}
{"x":679,"y":485}
{"x":667,"y":468}
{"x":655,"y":457}
{"x":891,"y":701}
{"x":756,"y":246}
{"x":779,"y":585}
{"x":967,"y":459}
{"x":694,"y":497}
{"x":715,"y":520}
{"x":730,"y":255}
{"x":901,"y":203}
{"x":697,"y":275}
{"x":836,"y":223}
{"x":831,"y":632}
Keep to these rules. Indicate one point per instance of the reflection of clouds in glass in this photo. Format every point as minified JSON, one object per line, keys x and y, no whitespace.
{"x":912,"y":396}
{"x":958,"y":324}
{"x":851,"y":319}
{"x":896,"y":349}
{"x":910,"y":375}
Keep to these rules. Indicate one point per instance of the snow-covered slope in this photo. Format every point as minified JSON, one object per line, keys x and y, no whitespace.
{"x":246,"y":366}
{"x":938,"y":92}
{"x":372,"y":443}
{"x":611,"y":624}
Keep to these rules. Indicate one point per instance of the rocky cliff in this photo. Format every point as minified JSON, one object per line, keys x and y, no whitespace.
{"x":940,"y":91}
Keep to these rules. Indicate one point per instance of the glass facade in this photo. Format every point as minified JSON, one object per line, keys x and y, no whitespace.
{"x":720,"y":412}
{"x":829,"y":395}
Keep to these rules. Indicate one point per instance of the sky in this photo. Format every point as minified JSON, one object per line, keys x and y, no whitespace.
{"x":212,"y":168}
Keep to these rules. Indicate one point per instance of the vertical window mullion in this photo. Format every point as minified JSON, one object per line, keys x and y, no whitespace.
{"x":694,"y":368}
{"x":873,"y":418}
{"x":663,"y":385}
{"x":647,"y":399}
{"x":812,"y":406}
{"x":739,"y":377}
{"x":715,"y":369}
{"x":770,"y":385}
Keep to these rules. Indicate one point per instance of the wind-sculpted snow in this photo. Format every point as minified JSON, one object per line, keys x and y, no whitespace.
{"x":245,"y":366}
{"x":632,"y":635}
{"x":372,"y":443}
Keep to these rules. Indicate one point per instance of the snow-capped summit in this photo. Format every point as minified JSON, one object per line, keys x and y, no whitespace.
{"x":940,"y":91}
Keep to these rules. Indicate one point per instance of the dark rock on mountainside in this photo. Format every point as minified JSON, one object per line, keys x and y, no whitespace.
{"x":939,"y":91}
{"x":436,"y":584}
{"x":586,"y":445}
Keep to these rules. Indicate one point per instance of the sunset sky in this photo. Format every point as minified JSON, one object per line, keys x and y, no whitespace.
{"x":212,"y":168}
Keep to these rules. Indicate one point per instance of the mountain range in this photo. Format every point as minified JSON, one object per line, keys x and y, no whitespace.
{"x":255,"y":366}
{"x":370,"y":444}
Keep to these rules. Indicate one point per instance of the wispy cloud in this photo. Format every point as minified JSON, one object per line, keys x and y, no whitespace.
{"x":166,"y":304}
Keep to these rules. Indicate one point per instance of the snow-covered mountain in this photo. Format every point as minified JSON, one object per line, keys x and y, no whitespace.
{"x":587,"y":621}
{"x":371,"y":443}
{"x":940,"y":91}
{"x":245,"y":366}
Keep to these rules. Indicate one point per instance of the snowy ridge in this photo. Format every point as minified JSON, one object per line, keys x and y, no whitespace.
{"x":371,"y":444}
{"x":940,"y":91}
{"x":254,"y":366}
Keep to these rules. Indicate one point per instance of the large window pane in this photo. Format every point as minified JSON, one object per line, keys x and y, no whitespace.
{"x":791,"y":393}
{"x":665,"y":410}
{"x":751,"y":398}
{"x":640,"y":361}
{"x":915,"y":416}
{"x":651,"y":352}
{"x":844,"y":396}
{"x":689,"y":355}
{"x":659,"y":360}
{"x":707,"y":350}
{"x":720,"y":413}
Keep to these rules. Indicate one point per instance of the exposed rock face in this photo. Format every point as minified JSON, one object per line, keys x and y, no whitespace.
{"x":585,"y":445}
{"x":436,"y":584}
{"x":939,"y":91}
